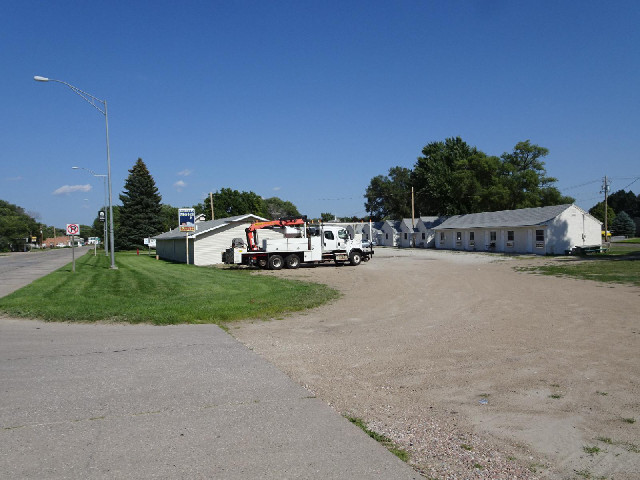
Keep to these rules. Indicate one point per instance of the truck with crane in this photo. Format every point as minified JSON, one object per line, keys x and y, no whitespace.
{"x":301,"y":244}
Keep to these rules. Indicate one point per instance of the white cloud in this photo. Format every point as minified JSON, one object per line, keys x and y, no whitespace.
{"x":14,"y":179}
{"x":179,"y":185}
{"x":67,"y":189}
{"x":185,"y":173}
{"x":276,"y":188}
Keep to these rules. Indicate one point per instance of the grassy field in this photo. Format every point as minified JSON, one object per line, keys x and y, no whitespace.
{"x":621,"y":264}
{"x":145,"y":290}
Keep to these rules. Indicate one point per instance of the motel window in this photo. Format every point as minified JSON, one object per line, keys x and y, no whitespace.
{"x":539,"y":235}
{"x":510,"y":235}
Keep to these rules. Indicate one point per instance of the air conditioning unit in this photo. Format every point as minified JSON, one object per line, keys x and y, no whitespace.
{"x":509,"y":244}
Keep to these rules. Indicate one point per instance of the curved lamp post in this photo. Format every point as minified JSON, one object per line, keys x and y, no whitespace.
{"x":104,"y":177}
{"x":94,"y":101}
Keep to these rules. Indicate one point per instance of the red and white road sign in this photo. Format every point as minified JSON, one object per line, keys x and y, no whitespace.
{"x":73,"y":229}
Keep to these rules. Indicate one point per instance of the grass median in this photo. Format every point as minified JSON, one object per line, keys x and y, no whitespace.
{"x":144,"y":290}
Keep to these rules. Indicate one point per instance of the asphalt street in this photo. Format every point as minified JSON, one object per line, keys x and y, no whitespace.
{"x":22,"y":268}
{"x":189,"y":401}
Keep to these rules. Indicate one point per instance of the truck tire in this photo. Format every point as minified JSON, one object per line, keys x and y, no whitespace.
{"x":275,"y":262}
{"x":262,"y":262}
{"x":292,"y":261}
{"x":355,"y":258}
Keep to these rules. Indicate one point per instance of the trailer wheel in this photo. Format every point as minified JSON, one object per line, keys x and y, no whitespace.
{"x":292,"y":261}
{"x":355,"y":258}
{"x":275,"y":262}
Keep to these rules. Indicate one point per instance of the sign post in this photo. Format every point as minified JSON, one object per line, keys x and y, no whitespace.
{"x":187,"y":223}
{"x":73,"y":229}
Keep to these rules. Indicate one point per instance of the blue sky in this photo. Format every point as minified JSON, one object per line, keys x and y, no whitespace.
{"x":308,"y":100}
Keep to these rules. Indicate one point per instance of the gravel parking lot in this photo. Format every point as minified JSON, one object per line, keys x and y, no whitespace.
{"x":476,"y":369}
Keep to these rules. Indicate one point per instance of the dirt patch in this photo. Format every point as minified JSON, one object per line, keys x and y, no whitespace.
{"x":476,"y":369}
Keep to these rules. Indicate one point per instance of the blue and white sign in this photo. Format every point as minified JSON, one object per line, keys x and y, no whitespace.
{"x":187,"y":219}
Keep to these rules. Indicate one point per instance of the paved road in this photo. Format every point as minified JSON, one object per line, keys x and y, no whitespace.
{"x":20,"y":269}
{"x":137,"y":401}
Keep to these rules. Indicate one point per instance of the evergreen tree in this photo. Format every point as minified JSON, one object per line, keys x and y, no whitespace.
{"x":623,"y":225}
{"x":140,"y":213}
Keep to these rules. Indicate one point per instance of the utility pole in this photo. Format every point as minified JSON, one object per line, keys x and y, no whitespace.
{"x":211,"y":202}
{"x":605,"y":189}
{"x":413,"y":223}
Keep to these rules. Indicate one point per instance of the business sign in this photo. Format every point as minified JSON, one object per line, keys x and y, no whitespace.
{"x":73,"y":229}
{"x":187,"y":219}
{"x":151,"y":242}
{"x":101,"y":216}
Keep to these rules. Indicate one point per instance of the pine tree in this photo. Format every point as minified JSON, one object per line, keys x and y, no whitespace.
{"x":140,"y":214}
{"x":623,"y":225}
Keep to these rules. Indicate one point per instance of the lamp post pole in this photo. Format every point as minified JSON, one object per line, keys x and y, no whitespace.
{"x":92,"y":101}
{"x":104,"y":178}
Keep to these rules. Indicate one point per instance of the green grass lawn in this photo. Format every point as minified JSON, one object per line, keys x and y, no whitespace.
{"x":621,"y":264}
{"x":147,"y":290}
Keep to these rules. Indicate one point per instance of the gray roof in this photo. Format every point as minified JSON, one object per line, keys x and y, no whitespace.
{"x":506,"y":218}
{"x":204,"y":227}
{"x":432,"y":222}
{"x":394,"y":224}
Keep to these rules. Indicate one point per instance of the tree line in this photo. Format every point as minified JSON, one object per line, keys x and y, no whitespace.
{"x":452,"y":177}
{"x":623,"y":213}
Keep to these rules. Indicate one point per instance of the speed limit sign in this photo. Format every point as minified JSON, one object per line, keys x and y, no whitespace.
{"x":73,"y":229}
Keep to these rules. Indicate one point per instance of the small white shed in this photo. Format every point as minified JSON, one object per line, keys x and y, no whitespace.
{"x":426,"y":233}
{"x":390,"y":233}
{"x":209,"y":241}
{"x":545,"y":230}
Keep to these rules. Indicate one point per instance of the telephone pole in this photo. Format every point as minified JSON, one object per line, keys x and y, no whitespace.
{"x":211,"y":202}
{"x":605,"y":189}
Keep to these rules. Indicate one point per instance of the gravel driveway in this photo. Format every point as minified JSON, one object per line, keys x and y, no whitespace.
{"x":476,"y":369}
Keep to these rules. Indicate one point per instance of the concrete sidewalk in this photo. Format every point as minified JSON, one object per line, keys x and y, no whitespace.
{"x":137,"y":401}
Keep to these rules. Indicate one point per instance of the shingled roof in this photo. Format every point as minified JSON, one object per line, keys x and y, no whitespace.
{"x":523,"y":217}
{"x":204,"y":227}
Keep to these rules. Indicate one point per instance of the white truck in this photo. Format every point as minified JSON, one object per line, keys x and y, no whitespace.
{"x":301,"y":244}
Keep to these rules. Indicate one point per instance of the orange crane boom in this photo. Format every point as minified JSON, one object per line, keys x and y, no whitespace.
{"x":281,"y":222}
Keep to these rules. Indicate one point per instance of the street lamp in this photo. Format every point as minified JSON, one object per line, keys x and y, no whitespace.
{"x":92,"y":101}
{"x":104,"y":177}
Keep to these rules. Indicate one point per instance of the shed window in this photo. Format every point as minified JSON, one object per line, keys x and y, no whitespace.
{"x":472,"y":236}
{"x":441,"y":237}
{"x":405,"y":236}
{"x":539,"y":235}
{"x":423,"y":235}
{"x":458,"y":236}
{"x":386,"y":235}
{"x":510,"y":235}
{"x":492,"y":236}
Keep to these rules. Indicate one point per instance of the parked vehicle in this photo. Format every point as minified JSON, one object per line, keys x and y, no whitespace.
{"x":301,"y":244}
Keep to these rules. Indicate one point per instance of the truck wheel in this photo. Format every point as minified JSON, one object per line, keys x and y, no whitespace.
{"x":355,"y":258}
{"x":292,"y":261}
{"x":275,"y":262}
{"x":262,"y":262}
